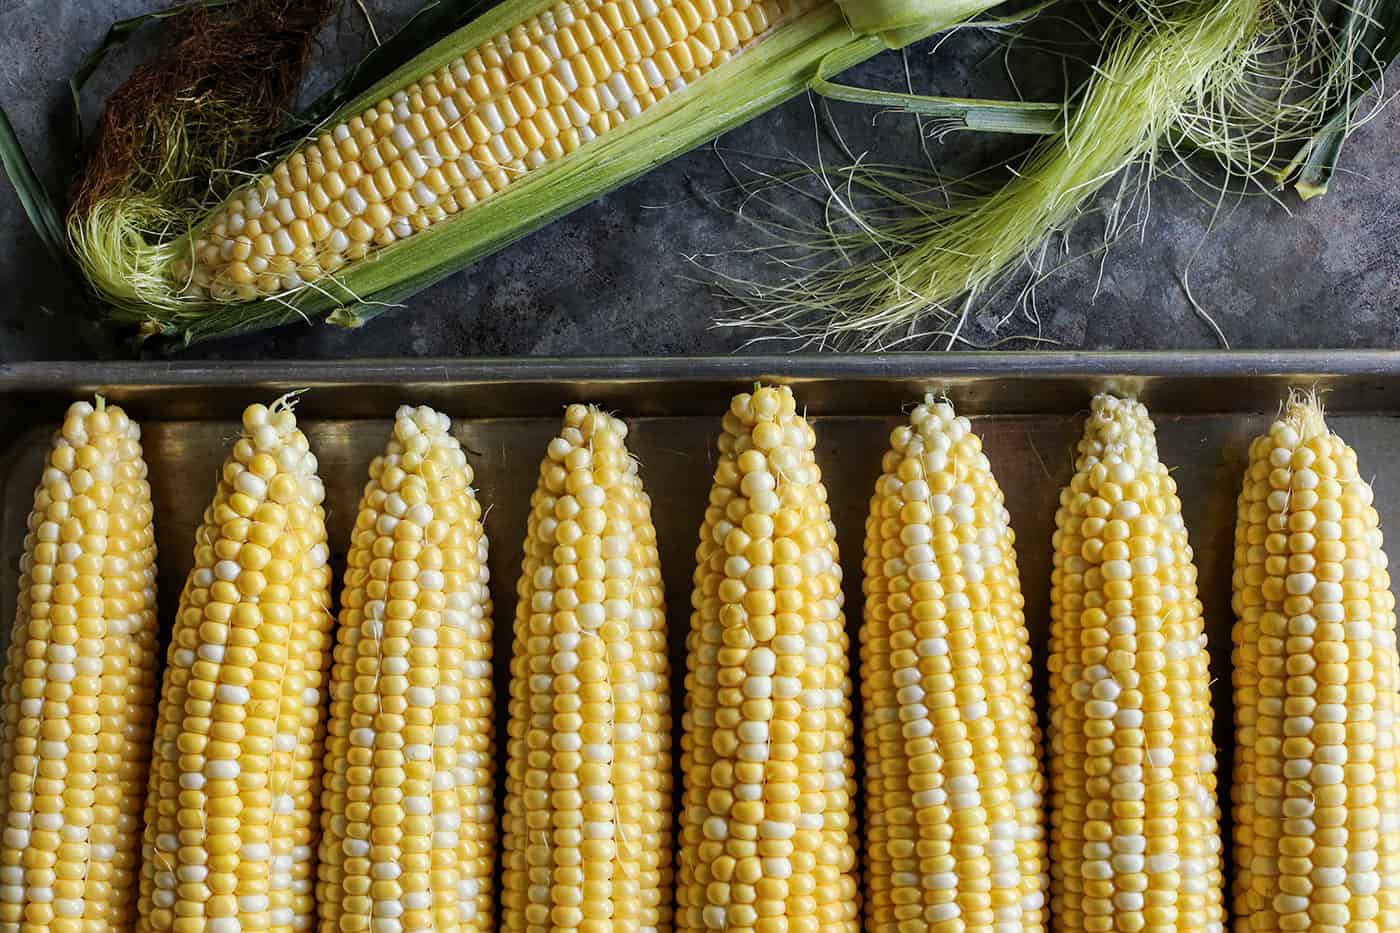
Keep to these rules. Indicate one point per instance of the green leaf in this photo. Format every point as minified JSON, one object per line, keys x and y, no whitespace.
{"x":988,"y":116}
{"x":33,"y":196}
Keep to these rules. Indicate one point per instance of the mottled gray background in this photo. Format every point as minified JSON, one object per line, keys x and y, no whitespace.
{"x":617,"y":276}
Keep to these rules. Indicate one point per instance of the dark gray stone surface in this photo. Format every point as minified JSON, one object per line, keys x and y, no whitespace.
{"x":617,"y":276}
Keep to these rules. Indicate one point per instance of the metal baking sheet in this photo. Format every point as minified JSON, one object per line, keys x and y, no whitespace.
{"x":1027,"y":407}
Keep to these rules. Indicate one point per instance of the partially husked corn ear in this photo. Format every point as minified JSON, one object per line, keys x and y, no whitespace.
{"x":1317,"y":690}
{"x":560,"y":78}
{"x":79,"y":694}
{"x":953,"y":781}
{"x":408,"y":819}
{"x":588,"y":778}
{"x":767,"y":824}
{"x":1135,"y":840}
{"x":231,"y":817}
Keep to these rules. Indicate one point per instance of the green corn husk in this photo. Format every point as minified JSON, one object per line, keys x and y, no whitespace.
{"x":130,"y":268}
{"x":1268,"y":88}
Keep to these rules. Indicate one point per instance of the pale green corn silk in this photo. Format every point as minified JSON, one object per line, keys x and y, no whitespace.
{"x":900,"y":257}
{"x":128,"y":260}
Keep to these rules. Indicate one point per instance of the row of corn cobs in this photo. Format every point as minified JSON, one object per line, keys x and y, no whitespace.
{"x":307,"y":774}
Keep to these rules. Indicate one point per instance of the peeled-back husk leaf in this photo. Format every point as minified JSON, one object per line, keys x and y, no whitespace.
{"x":33,"y":196}
{"x":873,"y":283}
{"x":1248,"y":82}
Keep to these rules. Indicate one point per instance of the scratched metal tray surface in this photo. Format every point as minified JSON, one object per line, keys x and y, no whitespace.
{"x":1027,"y":407}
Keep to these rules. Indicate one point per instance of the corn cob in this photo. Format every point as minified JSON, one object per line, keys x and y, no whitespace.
{"x":408,"y":821}
{"x":1316,"y":675}
{"x":79,"y":684}
{"x":1135,"y":836}
{"x":230,"y":821}
{"x":767,"y":824}
{"x":952,"y":750}
{"x":524,"y":98}
{"x":588,"y":781}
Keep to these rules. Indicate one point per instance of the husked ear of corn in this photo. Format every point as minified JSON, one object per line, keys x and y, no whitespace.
{"x":1317,"y":690}
{"x":408,"y":820}
{"x":1135,"y":829}
{"x":767,"y":824}
{"x":79,"y":684}
{"x":231,"y":817}
{"x":955,"y":837}
{"x":588,"y":778}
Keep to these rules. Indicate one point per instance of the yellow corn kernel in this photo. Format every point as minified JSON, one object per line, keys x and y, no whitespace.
{"x":945,"y":683}
{"x":1317,"y":690}
{"x":1135,"y":839}
{"x":231,"y":816}
{"x":79,"y":684}
{"x":588,"y":779}
{"x":594,"y":64}
{"x":767,"y":822}
{"x":408,"y":823}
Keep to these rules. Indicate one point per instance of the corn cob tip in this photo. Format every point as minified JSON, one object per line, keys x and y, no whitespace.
{"x":1301,"y":419}
{"x":421,"y":444}
{"x":418,"y":431}
{"x":931,"y":399}
{"x":932,"y":419}
{"x":1118,"y":430}
{"x":591,"y":438}
{"x":84,"y":421}
{"x":934,"y":440}
{"x":591,"y":418}
{"x":764,"y":403}
{"x":765,"y":422}
{"x":272,"y":431}
{"x":426,"y":420}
